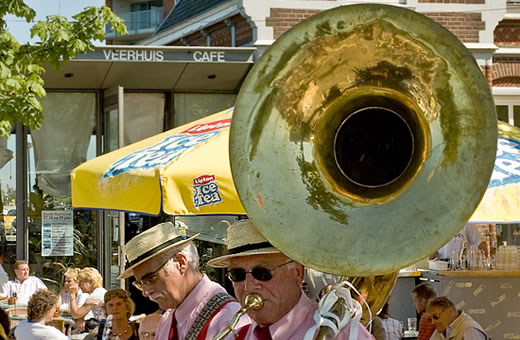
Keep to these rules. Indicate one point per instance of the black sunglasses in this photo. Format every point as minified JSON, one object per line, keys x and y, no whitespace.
{"x":259,"y":273}
{"x":436,"y":316}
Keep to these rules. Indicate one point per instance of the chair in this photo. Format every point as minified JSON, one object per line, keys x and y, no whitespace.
{"x":58,"y":323}
{"x":16,"y":314}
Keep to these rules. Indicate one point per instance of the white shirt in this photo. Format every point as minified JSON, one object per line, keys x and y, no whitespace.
{"x":65,"y":300}
{"x":3,"y":280}
{"x":27,"y":329}
{"x":97,"y":298}
{"x":469,"y":234}
{"x":24,"y":290}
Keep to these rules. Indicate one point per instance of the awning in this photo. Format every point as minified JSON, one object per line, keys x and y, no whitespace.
{"x":155,"y":68}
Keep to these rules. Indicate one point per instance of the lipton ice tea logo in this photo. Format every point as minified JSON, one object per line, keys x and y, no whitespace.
{"x":167,"y":150}
{"x":507,"y":164}
{"x":206,"y":191}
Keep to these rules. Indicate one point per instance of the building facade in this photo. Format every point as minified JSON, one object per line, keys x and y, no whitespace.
{"x":182,"y":60}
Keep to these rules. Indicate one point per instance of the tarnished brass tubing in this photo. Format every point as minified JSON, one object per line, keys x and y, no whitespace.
{"x":252,"y":302}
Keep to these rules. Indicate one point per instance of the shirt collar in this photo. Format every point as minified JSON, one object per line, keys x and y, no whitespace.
{"x":293,"y":320}
{"x":195,"y":297}
{"x":450,"y":327}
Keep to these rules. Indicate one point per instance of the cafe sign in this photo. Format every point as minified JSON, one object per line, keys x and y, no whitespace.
{"x":170,"y":54}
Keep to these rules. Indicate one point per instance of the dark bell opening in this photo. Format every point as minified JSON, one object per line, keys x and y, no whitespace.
{"x":373,"y":147}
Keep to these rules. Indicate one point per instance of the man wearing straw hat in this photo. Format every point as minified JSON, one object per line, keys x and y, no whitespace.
{"x":256,"y":267}
{"x":165,"y":264}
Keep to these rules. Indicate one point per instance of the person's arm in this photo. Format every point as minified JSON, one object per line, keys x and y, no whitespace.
{"x":76,"y":311}
{"x":40,"y":284}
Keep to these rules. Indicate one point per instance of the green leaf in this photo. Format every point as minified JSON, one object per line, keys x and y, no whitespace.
{"x":22,"y":64}
{"x":5,"y":72}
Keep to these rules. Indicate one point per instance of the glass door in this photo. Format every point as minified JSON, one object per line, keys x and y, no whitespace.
{"x":113,"y":234}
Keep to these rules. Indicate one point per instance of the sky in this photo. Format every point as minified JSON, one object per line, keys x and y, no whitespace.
{"x":19,"y":28}
{"x":67,"y":8}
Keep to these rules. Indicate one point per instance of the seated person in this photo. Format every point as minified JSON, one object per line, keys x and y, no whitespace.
{"x":71,"y":283}
{"x":23,"y":286}
{"x":40,"y":309}
{"x":149,"y":325}
{"x":451,"y":323}
{"x":90,"y":282}
{"x":393,"y":328}
{"x":120,"y":306}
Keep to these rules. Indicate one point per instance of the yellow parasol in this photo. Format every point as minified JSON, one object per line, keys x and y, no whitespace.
{"x":184,"y":171}
{"x":501,"y":202}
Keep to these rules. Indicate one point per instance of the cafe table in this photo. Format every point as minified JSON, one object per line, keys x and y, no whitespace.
{"x":410,"y":335}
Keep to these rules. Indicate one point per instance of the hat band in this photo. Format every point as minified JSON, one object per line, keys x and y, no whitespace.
{"x":250,"y":247}
{"x":156,"y":249}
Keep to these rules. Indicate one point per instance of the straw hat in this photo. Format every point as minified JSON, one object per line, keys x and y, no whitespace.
{"x":153,"y":242}
{"x":243,"y":240}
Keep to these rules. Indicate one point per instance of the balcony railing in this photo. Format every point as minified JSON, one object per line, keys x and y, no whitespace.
{"x":139,"y":22}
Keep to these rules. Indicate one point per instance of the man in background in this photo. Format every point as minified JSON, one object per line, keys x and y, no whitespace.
{"x":23,"y":286}
{"x":451,"y":323}
{"x":421,"y":295}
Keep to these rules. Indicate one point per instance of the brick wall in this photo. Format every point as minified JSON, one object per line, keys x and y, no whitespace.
{"x":281,"y":19}
{"x":220,"y":34}
{"x":506,"y":71}
{"x":464,"y":26}
{"x":167,"y":6}
{"x":507,"y":33}
{"x":243,"y":32}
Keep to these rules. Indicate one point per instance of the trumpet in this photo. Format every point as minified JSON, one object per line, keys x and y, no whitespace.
{"x":252,"y":302}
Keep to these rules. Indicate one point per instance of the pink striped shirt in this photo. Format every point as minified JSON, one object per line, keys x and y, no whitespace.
{"x":192,"y":305}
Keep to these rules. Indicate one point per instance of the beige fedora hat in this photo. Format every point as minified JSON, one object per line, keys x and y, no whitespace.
{"x":243,"y":240}
{"x":153,"y":242}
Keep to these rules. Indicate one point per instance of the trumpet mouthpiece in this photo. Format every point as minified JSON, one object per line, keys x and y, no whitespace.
{"x":254,"y":302}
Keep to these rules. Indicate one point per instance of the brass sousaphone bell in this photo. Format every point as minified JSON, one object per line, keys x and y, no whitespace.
{"x":363,"y":139}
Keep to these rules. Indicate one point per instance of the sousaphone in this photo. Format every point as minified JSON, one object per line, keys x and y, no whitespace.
{"x":363,"y":139}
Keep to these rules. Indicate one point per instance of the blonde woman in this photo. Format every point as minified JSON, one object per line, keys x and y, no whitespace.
{"x":119,"y":304}
{"x":71,"y":283}
{"x":90,"y":282}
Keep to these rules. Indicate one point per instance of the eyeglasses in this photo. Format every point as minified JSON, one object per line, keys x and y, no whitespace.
{"x":436,"y":316}
{"x":150,"y":278}
{"x":259,"y":273}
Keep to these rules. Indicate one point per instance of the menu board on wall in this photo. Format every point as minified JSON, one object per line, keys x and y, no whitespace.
{"x":57,"y":233}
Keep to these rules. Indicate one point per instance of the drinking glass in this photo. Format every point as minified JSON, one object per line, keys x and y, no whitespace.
{"x":412,"y":324}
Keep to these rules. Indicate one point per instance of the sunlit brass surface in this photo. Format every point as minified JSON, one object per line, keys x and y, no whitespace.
{"x":306,"y":184}
{"x":252,"y":302}
{"x":375,"y":290}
